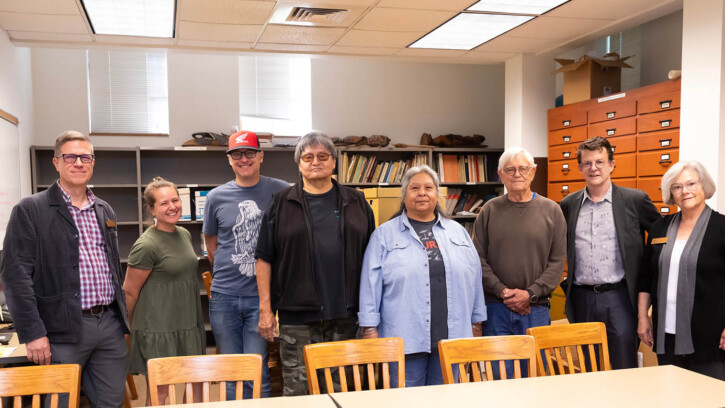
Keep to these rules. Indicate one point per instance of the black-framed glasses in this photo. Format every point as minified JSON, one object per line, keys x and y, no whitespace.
{"x":71,"y":158}
{"x":523,"y":170}
{"x":237,"y":154}
{"x":323,"y":157}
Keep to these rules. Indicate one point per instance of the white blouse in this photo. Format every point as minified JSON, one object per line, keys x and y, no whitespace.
{"x":674,"y":275}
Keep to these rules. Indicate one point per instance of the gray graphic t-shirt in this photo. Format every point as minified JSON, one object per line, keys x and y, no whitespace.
{"x":234,"y":215}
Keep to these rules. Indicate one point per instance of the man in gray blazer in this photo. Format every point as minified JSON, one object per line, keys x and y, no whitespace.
{"x":605,"y":246}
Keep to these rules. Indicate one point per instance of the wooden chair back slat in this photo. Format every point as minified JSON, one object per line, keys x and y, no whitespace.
{"x":199,"y":369}
{"x":486,"y":350}
{"x":386,"y":376}
{"x":550,"y":339}
{"x":476,"y":370}
{"x":355,"y":353}
{"x":40,"y":380}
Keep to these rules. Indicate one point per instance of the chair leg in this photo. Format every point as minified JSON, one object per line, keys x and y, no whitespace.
{"x":132,"y":387}
{"x":126,"y":400}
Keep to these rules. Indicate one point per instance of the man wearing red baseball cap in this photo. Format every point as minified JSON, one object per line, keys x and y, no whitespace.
{"x":232,"y":217}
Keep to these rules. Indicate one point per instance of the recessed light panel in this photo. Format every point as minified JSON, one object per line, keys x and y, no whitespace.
{"x":469,"y":30}
{"x":143,"y":18}
{"x":534,"y":7}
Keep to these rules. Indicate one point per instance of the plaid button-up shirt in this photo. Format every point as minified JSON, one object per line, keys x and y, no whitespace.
{"x":96,"y":280}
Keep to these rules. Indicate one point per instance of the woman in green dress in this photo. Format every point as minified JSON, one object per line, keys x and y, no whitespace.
{"x":162,"y":291}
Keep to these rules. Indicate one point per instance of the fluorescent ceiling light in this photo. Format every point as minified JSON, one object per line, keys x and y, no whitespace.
{"x":469,"y":30}
{"x":143,"y":18}
{"x":535,"y":7}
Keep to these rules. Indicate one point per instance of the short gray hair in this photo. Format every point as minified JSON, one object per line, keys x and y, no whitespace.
{"x":313,"y":139}
{"x":69,"y":136}
{"x":412,"y":172}
{"x":708,"y":185}
{"x":512,"y":152}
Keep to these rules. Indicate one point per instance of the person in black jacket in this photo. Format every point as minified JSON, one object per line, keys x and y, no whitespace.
{"x":684,"y":279}
{"x":309,"y":259}
{"x":62,"y":276}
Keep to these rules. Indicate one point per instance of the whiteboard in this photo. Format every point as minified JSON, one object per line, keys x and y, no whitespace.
{"x":9,"y":173}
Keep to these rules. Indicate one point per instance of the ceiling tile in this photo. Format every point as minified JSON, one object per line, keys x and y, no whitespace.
{"x":188,"y":30}
{"x":32,"y":35}
{"x":395,"y":19}
{"x":448,"y":5}
{"x":226,"y":11}
{"x":291,"y":47}
{"x":557,"y":28}
{"x":610,"y":9}
{"x":330,"y":3}
{"x":130,"y":39}
{"x":363,"y":38}
{"x":40,"y":6}
{"x":422,"y":52}
{"x":215,"y":44}
{"x":44,"y":23}
{"x":281,"y":34}
{"x":339,"y":49}
{"x":488,"y":56}
{"x":506,"y":43}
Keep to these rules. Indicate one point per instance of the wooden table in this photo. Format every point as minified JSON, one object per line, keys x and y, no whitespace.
{"x":306,"y":401}
{"x":19,"y":355}
{"x":666,"y":386}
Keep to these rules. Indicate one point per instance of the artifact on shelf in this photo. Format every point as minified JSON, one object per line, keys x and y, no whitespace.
{"x":451,"y":140}
{"x":207,"y":139}
{"x":372,"y":141}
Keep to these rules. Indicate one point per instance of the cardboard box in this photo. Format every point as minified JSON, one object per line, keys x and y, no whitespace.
{"x":385,"y":201}
{"x":185,"y":197}
{"x":200,"y":200}
{"x":590,"y":77}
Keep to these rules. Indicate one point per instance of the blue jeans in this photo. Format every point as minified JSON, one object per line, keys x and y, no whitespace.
{"x":234,"y":322}
{"x":502,"y":321}
{"x":420,"y":369}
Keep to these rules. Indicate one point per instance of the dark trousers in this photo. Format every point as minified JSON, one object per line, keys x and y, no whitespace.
{"x":715,"y":369}
{"x":101,"y":353}
{"x":614,"y":309}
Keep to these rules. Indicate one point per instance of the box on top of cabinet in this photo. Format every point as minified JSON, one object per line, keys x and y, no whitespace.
{"x":589,"y":77}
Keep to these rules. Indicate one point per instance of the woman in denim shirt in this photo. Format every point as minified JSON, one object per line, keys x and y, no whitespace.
{"x":421,"y":280}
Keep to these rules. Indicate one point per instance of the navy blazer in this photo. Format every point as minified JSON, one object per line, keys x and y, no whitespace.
{"x":40,"y":267}
{"x":634,"y":214}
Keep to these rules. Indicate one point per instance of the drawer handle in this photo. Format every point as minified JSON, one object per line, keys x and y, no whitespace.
{"x":564,"y":192}
{"x":610,"y":115}
{"x":665,"y":104}
{"x":566,"y":122}
{"x":566,"y":154}
{"x":610,"y":132}
{"x":567,"y":139}
{"x":665,"y":123}
{"x":665,"y":142}
{"x":665,"y":161}
{"x":665,"y":210}
{"x":565,"y":168}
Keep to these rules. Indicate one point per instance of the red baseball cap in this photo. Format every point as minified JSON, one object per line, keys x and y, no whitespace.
{"x":243,"y":140}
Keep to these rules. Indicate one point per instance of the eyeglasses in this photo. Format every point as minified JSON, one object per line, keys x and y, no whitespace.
{"x":597,"y":164}
{"x":323,"y":157}
{"x":678,"y":189}
{"x":71,"y":158}
{"x":237,"y":154}
{"x":523,"y":170}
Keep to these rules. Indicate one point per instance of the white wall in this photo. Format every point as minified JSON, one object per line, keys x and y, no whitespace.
{"x":16,"y":98}
{"x":661,"y":48}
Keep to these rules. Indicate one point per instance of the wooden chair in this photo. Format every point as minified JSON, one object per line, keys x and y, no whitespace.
{"x":571,"y":338}
{"x":473,"y":351}
{"x":354,"y":353}
{"x":45,"y":379}
{"x":207,"y":282}
{"x":204,"y":369}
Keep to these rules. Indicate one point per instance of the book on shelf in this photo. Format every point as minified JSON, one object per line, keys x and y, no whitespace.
{"x":200,"y":201}
{"x":185,"y":197}
{"x":464,"y":168}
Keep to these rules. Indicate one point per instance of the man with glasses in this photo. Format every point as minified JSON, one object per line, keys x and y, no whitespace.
{"x":521,"y":241}
{"x":63,"y":277}
{"x":605,"y":234}
{"x":232,"y":218}
{"x":309,"y":260}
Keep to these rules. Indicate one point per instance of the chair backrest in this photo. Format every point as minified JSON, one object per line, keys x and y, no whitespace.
{"x":45,"y":379}
{"x":471,"y":352}
{"x":354,"y":353}
{"x":204,"y":369}
{"x":563,"y":347}
{"x":207,"y":282}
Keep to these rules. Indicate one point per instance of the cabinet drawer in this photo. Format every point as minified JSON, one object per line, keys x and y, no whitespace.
{"x":656,"y":163}
{"x":612,"y":128}
{"x":610,"y":112}
{"x":567,"y":116}
{"x":658,"y":140}
{"x":659,"y":121}
{"x":563,"y":152}
{"x":651,"y":186}
{"x":659,"y":103}
{"x":625,"y":165}
{"x":557,"y":191}
{"x":626,"y":182}
{"x":574,"y":135}
{"x":565,"y":170}
{"x":624,"y":144}
{"x":665,"y":209}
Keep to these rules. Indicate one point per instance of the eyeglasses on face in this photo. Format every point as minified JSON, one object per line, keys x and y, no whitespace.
{"x":237,"y":154}
{"x":588,"y":165}
{"x":71,"y":158}
{"x":308,"y":157}
{"x":678,"y":189}
{"x":523,"y":170}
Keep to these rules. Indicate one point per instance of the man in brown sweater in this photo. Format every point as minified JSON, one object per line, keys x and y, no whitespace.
{"x":521,"y":240}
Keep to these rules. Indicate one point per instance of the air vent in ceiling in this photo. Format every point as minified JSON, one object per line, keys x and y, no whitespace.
{"x":316,"y":15}
{"x":319,"y":14}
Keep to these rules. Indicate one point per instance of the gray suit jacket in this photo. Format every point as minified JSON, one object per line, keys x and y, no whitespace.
{"x":634,"y":214}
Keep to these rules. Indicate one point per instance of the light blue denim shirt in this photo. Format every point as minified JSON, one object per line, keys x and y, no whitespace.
{"x":395,"y":283}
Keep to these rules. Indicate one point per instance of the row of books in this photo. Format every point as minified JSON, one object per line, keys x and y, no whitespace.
{"x":460,"y":203}
{"x":368,"y":169}
{"x":465,"y":168}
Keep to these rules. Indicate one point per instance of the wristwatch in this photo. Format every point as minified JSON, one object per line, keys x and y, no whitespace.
{"x":532,"y":297}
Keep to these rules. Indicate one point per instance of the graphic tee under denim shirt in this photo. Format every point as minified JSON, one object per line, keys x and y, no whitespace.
{"x":437,"y":271}
{"x":234,"y":214}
